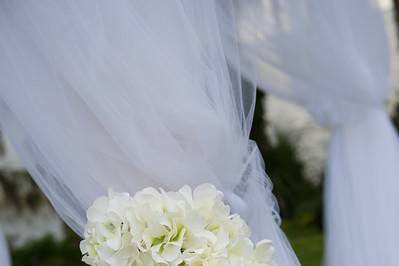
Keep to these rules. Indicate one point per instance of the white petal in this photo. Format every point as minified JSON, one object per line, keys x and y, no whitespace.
{"x":96,"y":213}
{"x":83,"y":246}
{"x":187,"y":193}
{"x":264,"y":251}
{"x":171,"y":252}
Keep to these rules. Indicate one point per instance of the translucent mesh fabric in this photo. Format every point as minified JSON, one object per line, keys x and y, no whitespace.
{"x":4,"y":252}
{"x":128,"y":94}
{"x":333,"y":57}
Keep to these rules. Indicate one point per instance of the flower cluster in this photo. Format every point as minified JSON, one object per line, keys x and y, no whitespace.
{"x":184,"y":228}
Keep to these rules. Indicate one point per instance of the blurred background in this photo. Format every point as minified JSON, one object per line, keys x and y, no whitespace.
{"x":294,"y":149}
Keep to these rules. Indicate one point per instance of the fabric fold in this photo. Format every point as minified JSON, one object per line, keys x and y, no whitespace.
{"x":362,"y":196}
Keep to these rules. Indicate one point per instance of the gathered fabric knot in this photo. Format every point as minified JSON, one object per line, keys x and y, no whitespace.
{"x":334,"y":113}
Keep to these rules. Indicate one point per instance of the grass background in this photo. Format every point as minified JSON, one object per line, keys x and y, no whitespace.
{"x":307,"y":242}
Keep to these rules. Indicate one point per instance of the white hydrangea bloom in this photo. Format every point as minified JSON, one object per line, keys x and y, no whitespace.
{"x":193,"y":228}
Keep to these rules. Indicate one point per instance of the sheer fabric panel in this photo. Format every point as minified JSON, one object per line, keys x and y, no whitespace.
{"x":333,"y":57}
{"x":4,"y":252}
{"x":128,"y":94}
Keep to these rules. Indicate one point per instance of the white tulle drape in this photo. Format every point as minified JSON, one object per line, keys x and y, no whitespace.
{"x":102,"y":94}
{"x":4,"y":252}
{"x":333,"y":57}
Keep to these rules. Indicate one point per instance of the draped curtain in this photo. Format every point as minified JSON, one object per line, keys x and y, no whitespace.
{"x":333,"y":58}
{"x":124,"y":94}
{"x":128,"y":94}
{"x":4,"y":252}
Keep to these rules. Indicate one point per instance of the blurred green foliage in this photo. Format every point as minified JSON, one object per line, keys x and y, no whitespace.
{"x":30,"y":196}
{"x":307,"y":242}
{"x":298,"y":197}
{"x":49,"y":252}
{"x":300,"y":200}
